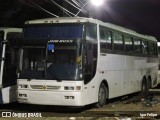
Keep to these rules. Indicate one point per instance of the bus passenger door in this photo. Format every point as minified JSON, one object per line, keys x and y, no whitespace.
{"x":90,"y":63}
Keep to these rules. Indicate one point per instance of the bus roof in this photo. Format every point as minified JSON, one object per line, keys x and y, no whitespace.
{"x":83,"y":20}
{"x":9,"y":29}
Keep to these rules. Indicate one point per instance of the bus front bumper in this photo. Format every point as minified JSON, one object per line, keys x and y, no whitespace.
{"x":50,"y":98}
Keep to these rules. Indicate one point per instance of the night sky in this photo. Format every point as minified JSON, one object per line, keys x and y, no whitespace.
{"x":142,"y":16}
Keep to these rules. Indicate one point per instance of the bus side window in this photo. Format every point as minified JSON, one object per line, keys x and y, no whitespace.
{"x":137,"y":45}
{"x":118,"y":41}
{"x":156,"y":49}
{"x":128,"y":44}
{"x":145,"y":47}
{"x":105,"y":38}
{"x":91,"y":29}
{"x":151,"y":48}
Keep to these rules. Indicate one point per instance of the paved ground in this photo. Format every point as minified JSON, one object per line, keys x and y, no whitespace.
{"x":123,"y":108}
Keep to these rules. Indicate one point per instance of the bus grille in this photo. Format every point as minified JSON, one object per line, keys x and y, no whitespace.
{"x":46,"y":87}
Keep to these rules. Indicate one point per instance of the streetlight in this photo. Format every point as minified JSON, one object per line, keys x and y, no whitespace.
{"x":97,"y":2}
{"x":94,"y":3}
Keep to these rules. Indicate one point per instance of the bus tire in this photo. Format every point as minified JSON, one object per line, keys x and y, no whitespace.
{"x":102,"y":95}
{"x":144,"y":88}
{"x":149,"y":83}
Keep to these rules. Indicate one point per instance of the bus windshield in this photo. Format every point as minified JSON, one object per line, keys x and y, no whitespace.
{"x":54,"y":51}
{"x":63,"y":62}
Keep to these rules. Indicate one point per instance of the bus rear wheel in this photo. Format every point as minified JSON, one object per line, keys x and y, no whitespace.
{"x":102,"y":95}
{"x":144,"y":89}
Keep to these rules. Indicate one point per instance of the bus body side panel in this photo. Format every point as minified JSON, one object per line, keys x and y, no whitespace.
{"x":112,"y":72}
{"x":124,"y":74}
{"x":153,"y":65}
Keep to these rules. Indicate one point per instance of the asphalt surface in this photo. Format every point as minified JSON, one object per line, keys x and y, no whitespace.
{"x":131,"y":106}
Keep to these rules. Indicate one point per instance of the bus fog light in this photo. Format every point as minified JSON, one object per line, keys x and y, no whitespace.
{"x":78,"y":87}
{"x":68,"y":88}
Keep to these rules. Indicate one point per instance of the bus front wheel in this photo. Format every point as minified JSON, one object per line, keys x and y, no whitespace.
{"x":102,"y":95}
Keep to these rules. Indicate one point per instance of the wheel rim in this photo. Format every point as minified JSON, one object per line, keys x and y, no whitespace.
{"x":101,"y":96}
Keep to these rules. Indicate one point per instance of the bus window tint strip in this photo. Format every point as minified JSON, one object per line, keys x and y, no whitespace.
{"x":65,"y":31}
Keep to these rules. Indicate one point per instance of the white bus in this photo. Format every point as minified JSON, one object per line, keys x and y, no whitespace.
{"x":9,"y":47}
{"x":79,"y":61}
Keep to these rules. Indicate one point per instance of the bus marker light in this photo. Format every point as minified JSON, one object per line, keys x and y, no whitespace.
{"x":78,"y":87}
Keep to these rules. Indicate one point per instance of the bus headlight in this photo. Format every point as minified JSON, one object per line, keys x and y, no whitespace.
{"x":77,"y":88}
{"x":23,"y":86}
{"x":68,"y":87}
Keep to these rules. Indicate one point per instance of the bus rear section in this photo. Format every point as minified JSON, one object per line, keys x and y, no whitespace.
{"x":9,"y":52}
